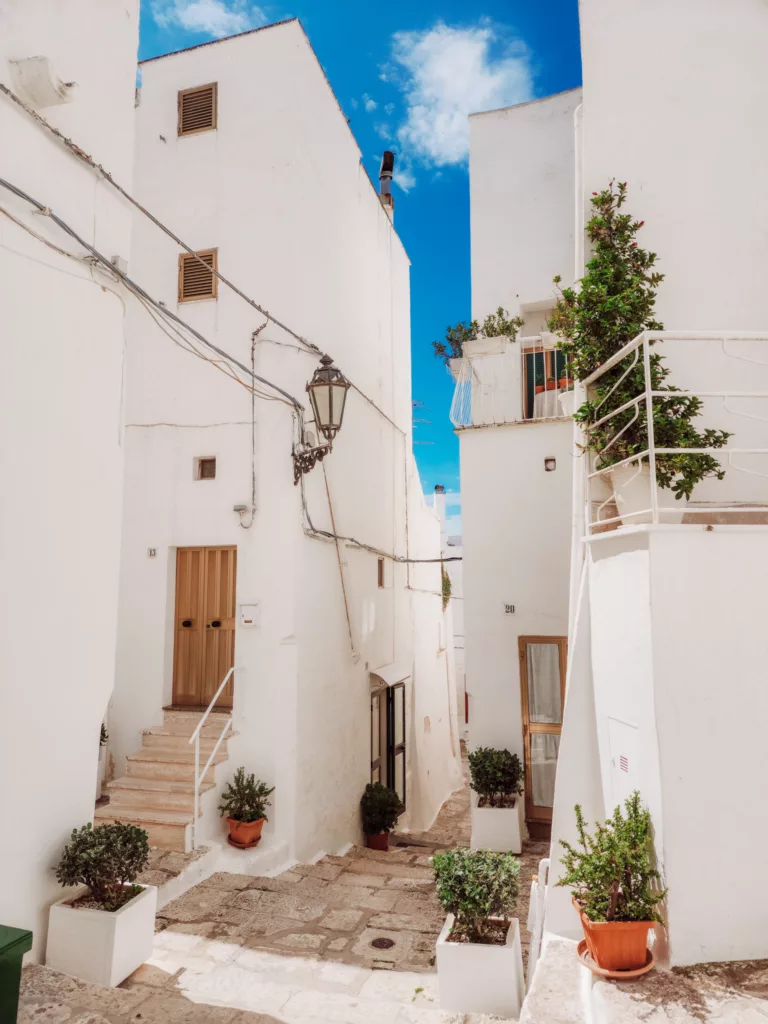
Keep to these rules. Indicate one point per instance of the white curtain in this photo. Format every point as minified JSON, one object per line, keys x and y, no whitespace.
{"x":544,"y":702}
{"x":544,"y":750}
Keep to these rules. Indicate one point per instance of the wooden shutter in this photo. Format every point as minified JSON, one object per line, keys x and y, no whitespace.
{"x":197,"y":109}
{"x":196,"y":279}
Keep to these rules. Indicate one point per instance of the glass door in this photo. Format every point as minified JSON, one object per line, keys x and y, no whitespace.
{"x":388,"y":738}
{"x":542,"y":686}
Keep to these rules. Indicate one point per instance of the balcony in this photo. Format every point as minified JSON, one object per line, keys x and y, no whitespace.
{"x":502,"y":381}
{"x":729,"y":374}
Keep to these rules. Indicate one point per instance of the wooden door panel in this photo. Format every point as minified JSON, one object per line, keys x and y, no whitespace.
{"x":189,"y":627}
{"x":204,"y":642}
{"x":219,"y":638}
{"x":539,"y":723}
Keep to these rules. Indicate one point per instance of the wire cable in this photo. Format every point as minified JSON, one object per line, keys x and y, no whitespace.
{"x":139,"y":291}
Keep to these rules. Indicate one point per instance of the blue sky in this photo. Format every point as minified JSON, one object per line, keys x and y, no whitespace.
{"x":407,"y":74}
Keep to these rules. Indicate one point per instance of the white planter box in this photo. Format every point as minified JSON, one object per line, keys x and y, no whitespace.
{"x":497,"y":828}
{"x":100,"y":947}
{"x":479,"y":978}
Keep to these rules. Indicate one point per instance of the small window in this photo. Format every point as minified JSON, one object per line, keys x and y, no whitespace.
{"x":198,"y":109}
{"x":381,"y":572}
{"x":206,"y":469}
{"x":197,"y":279}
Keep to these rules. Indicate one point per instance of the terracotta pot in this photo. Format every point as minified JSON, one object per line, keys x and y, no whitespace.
{"x":564,"y":382}
{"x":551,"y":385}
{"x":616,"y":945}
{"x":539,"y":388}
{"x":377,"y":841}
{"x":245,"y":833}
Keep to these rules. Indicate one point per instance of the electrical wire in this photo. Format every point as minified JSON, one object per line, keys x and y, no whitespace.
{"x":80,"y":153}
{"x":137,"y":290}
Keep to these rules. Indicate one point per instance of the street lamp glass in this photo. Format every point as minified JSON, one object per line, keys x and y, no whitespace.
{"x":328,"y":394}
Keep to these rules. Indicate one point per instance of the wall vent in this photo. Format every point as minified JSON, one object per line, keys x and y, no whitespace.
{"x":196,"y":279}
{"x":198,"y":109}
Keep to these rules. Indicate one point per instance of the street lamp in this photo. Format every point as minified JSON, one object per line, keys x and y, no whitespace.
{"x":327,"y":395}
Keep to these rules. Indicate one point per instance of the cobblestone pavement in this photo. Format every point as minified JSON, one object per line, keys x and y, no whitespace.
{"x":349,"y":939}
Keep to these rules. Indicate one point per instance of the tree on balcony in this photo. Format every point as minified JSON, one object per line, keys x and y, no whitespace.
{"x":614,"y":304}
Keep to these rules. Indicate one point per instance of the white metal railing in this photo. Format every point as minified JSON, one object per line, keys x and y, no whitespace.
{"x":721,"y":362}
{"x":501,"y":381}
{"x":195,"y":738}
{"x":536,"y":915}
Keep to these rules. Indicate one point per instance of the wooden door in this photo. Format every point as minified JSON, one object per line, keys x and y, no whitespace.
{"x":204,"y":643}
{"x":542,"y":687}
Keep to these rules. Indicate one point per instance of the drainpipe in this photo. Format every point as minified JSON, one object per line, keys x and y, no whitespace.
{"x":579,"y":493}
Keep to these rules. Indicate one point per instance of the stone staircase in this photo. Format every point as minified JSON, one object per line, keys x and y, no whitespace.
{"x":157,"y":793}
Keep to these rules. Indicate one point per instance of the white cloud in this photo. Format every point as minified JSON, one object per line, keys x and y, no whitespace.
{"x":450,"y":73}
{"x":353,"y":103}
{"x":389,"y":108}
{"x":215,"y":18}
{"x":369,"y":104}
{"x":384,"y":130}
{"x":404,"y":177}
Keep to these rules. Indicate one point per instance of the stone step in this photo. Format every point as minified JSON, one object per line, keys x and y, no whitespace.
{"x":212,"y":727}
{"x":170,"y":830}
{"x":161,"y":763}
{"x":174,"y":741}
{"x":156,"y":794}
{"x":189,"y":720}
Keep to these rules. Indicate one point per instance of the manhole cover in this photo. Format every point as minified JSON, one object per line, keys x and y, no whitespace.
{"x":383,"y":943}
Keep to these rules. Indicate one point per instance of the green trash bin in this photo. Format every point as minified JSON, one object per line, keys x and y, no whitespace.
{"x":14,"y":943}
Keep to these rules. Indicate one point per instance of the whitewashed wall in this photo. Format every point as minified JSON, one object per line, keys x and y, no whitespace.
{"x":516,"y":547}
{"x":678,"y":653}
{"x":280,"y":189}
{"x":704,"y":215}
{"x":516,"y":516}
{"x":61,"y":397}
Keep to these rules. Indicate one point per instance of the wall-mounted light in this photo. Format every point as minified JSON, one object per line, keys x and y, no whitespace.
{"x":550,"y":464}
{"x":328,"y":396}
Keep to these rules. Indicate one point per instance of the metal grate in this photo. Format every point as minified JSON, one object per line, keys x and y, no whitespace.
{"x":198,"y":109}
{"x":196,"y":279}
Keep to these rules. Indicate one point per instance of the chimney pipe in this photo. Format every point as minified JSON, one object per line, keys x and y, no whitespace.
{"x":385,"y":181}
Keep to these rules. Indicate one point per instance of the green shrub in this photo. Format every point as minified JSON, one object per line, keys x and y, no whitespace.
{"x":380,"y":808}
{"x":496,"y":775}
{"x":495,"y":325}
{"x":103,"y":735}
{"x":611,"y":875}
{"x":245,"y":799}
{"x":446,"y":586}
{"x":475,"y":885}
{"x":106,"y":858}
{"x":616,"y":301}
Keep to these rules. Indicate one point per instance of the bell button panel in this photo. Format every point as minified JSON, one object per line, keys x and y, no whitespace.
{"x":249,"y":615}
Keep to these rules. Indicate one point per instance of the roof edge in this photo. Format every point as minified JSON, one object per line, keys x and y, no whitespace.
{"x":213,"y":42}
{"x":527,"y":103}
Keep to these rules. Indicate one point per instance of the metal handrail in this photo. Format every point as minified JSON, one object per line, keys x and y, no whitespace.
{"x":195,"y":738}
{"x":646,"y":398}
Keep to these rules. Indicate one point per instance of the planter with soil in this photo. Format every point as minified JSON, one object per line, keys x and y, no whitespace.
{"x":481,"y":977}
{"x":245,"y":834}
{"x":244,"y":803}
{"x":379,"y":808}
{"x":498,"y":828}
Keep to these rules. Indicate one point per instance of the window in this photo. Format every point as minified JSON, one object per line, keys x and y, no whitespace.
{"x":198,"y":109}
{"x":196,"y":279}
{"x":388,"y":738}
{"x":381,"y":572}
{"x":546,"y":372}
{"x":206,"y":468}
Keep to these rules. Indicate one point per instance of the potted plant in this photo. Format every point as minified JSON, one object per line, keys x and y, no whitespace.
{"x":479,"y":962}
{"x":244,"y":802}
{"x":496,"y":778}
{"x":551,"y":383}
{"x":614,"y":303}
{"x":539,"y":386}
{"x":103,"y":737}
{"x":104,"y":932}
{"x":380,"y":808}
{"x":496,"y":325}
{"x":615,"y":887}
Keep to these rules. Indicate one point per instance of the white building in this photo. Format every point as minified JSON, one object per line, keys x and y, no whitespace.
{"x":668,"y":648}
{"x":243,"y":151}
{"x":61,"y":414}
{"x":515,"y":440}
{"x":452,"y":552}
